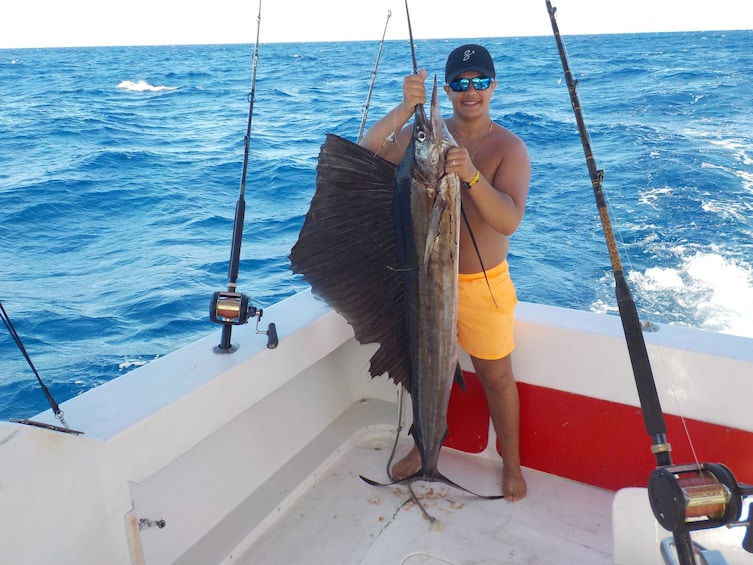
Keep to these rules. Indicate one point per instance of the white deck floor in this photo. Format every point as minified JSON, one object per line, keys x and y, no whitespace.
{"x":334,"y":517}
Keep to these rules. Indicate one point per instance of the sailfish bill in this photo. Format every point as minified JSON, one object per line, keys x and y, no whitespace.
{"x":380,"y":245}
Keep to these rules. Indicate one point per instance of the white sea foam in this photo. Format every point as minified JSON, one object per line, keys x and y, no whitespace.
{"x":653,"y":196}
{"x":132,"y":363}
{"x":718,"y":290}
{"x":661,"y":279}
{"x":730,"y":306}
{"x":738,"y":147}
{"x":143,"y":86}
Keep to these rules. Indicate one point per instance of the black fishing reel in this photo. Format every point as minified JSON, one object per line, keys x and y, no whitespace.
{"x":698,"y":496}
{"x":234,"y":309}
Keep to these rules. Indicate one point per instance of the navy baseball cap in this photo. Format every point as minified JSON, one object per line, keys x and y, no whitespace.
{"x":470,"y":57}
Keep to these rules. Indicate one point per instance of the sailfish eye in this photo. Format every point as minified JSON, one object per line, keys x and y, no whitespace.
{"x":421,"y":136}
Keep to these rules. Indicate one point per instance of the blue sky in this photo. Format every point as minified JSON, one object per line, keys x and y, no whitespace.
{"x":59,"y":23}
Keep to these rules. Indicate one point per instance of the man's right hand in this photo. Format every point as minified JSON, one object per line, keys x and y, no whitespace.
{"x":414,"y":90}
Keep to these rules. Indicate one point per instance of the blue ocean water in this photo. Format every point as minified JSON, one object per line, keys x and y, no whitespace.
{"x":120,"y":168}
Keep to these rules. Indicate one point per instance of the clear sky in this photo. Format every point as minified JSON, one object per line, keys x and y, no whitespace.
{"x":62,"y":23}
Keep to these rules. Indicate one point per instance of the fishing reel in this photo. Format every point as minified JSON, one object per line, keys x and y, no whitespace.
{"x":234,"y":309}
{"x":699,"y":496}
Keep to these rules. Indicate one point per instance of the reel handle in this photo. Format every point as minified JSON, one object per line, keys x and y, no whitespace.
{"x":272,"y":340}
{"x":748,"y":538}
{"x":271,"y":332}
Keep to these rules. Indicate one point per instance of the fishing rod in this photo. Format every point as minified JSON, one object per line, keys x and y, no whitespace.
{"x":682,"y":497}
{"x":232,"y":308}
{"x":373,"y":78}
{"x":48,"y":395}
{"x":410,"y":36}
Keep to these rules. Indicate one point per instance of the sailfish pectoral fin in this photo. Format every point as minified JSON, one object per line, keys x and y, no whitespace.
{"x":347,"y":251}
{"x":432,"y":234}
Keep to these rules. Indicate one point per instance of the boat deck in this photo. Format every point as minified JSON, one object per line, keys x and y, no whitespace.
{"x":335,"y":517}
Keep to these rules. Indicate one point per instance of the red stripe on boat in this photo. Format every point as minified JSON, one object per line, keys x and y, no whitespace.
{"x":593,"y":441}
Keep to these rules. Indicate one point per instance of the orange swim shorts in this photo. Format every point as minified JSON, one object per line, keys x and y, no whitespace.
{"x":486,"y":312}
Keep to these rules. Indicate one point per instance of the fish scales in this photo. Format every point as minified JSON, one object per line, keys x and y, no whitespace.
{"x":427,"y":229}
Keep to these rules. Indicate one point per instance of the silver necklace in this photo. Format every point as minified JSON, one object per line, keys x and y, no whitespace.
{"x":480,"y":143}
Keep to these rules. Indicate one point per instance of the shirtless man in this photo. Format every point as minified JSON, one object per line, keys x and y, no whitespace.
{"x":495,"y":163}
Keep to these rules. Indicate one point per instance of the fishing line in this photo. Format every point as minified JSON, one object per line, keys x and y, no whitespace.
{"x":398,"y":429}
{"x":401,"y":389}
{"x":426,"y":514}
{"x":649,"y":326}
{"x":424,"y":554}
{"x":478,"y":253}
{"x":644,"y":379}
{"x":605,"y":210}
{"x":470,"y":231}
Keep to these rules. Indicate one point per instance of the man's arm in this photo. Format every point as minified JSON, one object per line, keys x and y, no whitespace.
{"x":501,"y":201}
{"x":387,"y":137}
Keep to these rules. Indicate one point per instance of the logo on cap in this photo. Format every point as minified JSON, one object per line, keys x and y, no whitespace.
{"x":467,"y":54}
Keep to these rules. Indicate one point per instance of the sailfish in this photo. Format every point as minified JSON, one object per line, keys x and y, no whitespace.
{"x":380,"y":244}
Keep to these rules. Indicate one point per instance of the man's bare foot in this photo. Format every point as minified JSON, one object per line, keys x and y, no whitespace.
{"x":513,"y":484}
{"x":407,"y":466}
